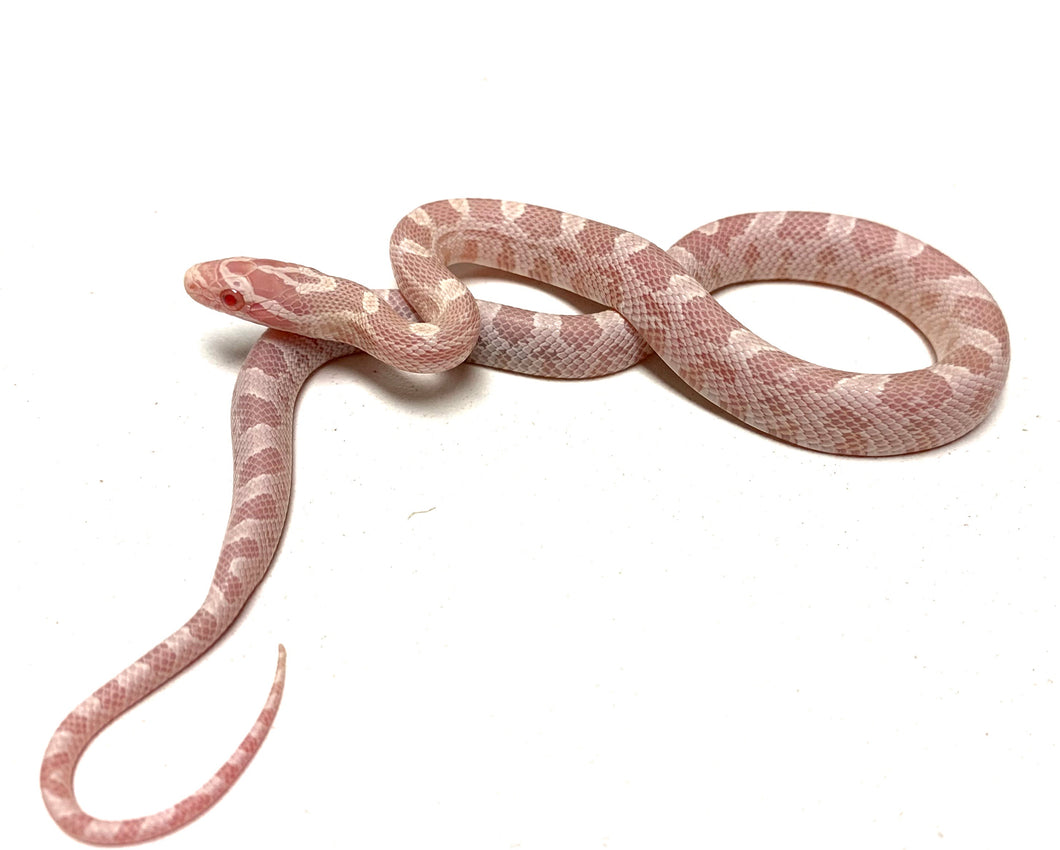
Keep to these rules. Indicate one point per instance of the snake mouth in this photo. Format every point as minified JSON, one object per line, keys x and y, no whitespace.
{"x":262,"y":314}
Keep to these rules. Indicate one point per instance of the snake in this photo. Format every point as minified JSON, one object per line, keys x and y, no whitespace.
{"x":654,"y":300}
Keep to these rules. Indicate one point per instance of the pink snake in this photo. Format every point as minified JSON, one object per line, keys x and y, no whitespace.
{"x":659,"y":302}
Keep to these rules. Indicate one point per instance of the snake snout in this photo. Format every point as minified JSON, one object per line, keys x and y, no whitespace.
{"x":194,"y":281}
{"x":203,"y":282}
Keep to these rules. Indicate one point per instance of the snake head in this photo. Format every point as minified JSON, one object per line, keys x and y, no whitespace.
{"x":267,"y":292}
{"x":304,"y":301}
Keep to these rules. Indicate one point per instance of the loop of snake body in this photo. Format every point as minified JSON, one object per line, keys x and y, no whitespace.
{"x":658,"y":301}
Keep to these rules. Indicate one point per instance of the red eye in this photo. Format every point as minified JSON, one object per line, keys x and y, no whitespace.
{"x":232,"y":299}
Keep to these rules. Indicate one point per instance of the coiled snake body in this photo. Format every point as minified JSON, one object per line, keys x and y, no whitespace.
{"x":659,"y":301}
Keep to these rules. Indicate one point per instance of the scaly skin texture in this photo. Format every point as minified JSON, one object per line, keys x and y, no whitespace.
{"x":659,"y":301}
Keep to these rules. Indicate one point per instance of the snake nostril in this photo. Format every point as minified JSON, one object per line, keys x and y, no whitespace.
{"x":232,"y":299}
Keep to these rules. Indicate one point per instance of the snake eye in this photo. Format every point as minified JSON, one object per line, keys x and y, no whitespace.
{"x":232,"y":299}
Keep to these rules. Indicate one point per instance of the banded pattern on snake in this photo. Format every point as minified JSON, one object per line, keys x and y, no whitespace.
{"x":658,"y":301}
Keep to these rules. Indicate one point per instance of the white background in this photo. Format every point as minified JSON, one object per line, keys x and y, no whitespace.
{"x":627,"y":621}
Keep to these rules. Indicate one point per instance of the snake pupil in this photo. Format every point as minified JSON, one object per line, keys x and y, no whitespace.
{"x":232,"y":299}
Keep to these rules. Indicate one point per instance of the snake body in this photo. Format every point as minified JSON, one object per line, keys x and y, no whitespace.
{"x":657,"y":301}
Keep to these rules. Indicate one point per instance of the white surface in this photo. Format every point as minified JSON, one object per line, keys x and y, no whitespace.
{"x":627,"y":621}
